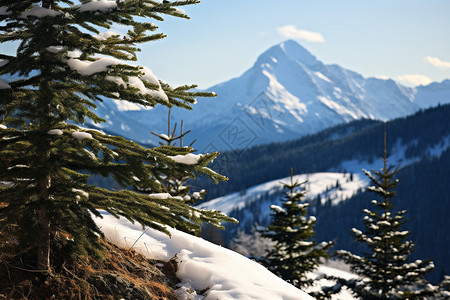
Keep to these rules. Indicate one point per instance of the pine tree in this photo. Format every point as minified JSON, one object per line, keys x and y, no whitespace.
{"x":65,"y":64}
{"x":175,"y":182}
{"x":294,"y":253}
{"x":384,"y":267}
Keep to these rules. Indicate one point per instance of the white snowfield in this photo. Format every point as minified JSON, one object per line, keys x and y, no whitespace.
{"x":225,"y":274}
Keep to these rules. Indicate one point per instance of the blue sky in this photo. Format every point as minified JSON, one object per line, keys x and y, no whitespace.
{"x":406,"y":40}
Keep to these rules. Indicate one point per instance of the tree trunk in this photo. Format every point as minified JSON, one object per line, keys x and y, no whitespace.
{"x":43,"y":244}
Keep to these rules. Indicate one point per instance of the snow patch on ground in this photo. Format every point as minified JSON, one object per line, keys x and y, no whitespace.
{"x":439,"y":148}
{"x":202,"y":265}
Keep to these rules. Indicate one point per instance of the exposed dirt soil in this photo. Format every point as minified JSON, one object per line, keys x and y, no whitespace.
{"x":123,"y":274}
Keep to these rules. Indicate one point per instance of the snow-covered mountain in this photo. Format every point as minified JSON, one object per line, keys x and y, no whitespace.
{"x":287,"y":93}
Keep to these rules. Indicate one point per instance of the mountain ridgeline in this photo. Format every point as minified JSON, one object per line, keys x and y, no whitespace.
{"x":288,"y":93}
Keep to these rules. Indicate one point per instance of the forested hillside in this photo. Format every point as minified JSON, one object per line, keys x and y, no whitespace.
{"x":348,"y":147}
{"x":424,"y":192}
{"x":420,"y":145}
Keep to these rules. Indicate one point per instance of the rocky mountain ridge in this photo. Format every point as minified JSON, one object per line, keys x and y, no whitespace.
{"x":288,"y":93}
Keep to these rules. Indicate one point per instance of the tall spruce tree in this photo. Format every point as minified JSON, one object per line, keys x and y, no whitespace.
{"x":385,"y":268}
{"x":295,"y":253}
{"x":65,"y":63}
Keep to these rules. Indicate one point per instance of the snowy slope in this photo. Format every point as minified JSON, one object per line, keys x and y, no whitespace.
{"x":286,"y":94}
{"x":253,"y":207}
{"x":323,"y":184}
{"x":202,"y":265}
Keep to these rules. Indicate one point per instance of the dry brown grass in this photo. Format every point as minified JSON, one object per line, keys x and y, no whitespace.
{"x":122,"y":274}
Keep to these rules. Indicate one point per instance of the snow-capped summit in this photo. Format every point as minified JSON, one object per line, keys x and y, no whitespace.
{"x":290,"y":50}
{"x":286,"y":94}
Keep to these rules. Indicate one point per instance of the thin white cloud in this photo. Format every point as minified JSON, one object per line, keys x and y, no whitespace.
{"x":383,"y":77}
{"x":437,"y":62}
{"x":290,"y":31}
{"x":413,"y":79}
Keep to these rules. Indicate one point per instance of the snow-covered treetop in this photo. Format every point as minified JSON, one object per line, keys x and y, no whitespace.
{"x":82,"y":48}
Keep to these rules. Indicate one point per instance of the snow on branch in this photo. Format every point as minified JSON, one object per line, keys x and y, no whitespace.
{"x":55,"y":132}
{"x":160,"y":196}
{"x":4,"y":11}
{"x":84,"y":67}
{"x":39,"y":12}
{"x":79,"y":135}
{"x":102,"y":5}
{"x":138,"y":83}
{"x":278,"y":209}
{"x":105,"y":35}
{"x":4,"y":85}
{"x":188,"y":159}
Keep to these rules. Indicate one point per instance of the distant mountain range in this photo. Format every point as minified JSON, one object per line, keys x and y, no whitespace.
{"x":288,"y":93}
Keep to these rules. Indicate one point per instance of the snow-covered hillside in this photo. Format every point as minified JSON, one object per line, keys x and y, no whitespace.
{"x":330,"y":188}
{"x":212,"y":271}
{"x":287,"y":93}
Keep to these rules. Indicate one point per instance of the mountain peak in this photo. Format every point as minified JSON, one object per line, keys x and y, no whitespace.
{"x":291,"y":50}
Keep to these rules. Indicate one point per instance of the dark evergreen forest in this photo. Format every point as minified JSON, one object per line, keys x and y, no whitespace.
{"x":324,"y":151}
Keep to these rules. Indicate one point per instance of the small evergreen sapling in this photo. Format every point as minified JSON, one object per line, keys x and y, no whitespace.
{"x":294,"y":253}
{"x":384,"y":267}
{"x":174,"y":183}
{"x":65,"y":64}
